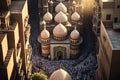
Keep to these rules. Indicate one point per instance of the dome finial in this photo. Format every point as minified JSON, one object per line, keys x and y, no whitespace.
{"x":75,"y":28}
{"x":45,"y":26}
{"x":60,"y":67}
{"x":47,"y":9}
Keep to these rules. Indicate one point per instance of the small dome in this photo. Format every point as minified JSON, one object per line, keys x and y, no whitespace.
{"x":45,"y":34}
{"x":60,"y":31}
{"x":48,"y":16}
{"x":61,"y":17}
{"x":61,"y":7}
{"x":51,"y":2}
{"x":75,"y":34}
{"x":60,"y":74}
{"x":75,"y":16}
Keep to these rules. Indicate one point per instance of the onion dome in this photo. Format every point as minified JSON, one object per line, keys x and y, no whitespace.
{"x":60,"y":74}
{"x":51,"y":2}
{"x":48,"y":16}
{"x":61,"y":7}
{"x":60,"y":31}
{"x":61,"y":17}
{"x":75,"y":34}
{"x":45,"y":33}
{"x":75,"y":16}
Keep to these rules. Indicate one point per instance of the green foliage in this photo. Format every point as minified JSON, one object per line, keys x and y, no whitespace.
{"x":39,"y":76}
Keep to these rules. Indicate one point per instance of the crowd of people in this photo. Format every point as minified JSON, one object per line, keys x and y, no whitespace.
{"x":84,"y":70}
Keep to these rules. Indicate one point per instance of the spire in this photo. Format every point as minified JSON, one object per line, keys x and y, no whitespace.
{"x":44,"y":25}
{"x":60,"y":67}
{"x":75,"y":28}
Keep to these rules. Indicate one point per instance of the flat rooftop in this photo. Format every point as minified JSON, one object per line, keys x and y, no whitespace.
{"x":17,"y":6}
{"x":114,"y":37}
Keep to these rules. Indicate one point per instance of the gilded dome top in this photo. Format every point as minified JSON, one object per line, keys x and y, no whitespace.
{"x":60,"y":30}
{"x":61,"y":7}
{"x":75,"y":34}
{"x":61,"y":17}
{"x":60,"y":74}
{"x":47,"y":16}
{"x":75,"y":16}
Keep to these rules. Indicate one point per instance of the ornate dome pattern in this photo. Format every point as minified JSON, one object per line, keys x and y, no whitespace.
{"x":60,"y":74}
{"x":75,"y":16}
{"x":61,"y":17}
{"x":48,"y":16}
{"x":60,"y":31}
{"x":74,"y":34}
{"x":61,"y":7}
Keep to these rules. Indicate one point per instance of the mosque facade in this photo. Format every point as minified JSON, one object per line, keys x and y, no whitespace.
{"x":60,"y":37}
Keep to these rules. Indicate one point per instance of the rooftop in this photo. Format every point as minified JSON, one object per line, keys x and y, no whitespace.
{"x":114,"y":37}
{"x":16,"y":6}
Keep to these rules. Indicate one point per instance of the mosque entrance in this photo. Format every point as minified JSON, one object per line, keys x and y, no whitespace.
{"x":59,"y":53}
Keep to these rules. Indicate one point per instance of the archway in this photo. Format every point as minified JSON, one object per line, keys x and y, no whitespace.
{"x":59,"y":55}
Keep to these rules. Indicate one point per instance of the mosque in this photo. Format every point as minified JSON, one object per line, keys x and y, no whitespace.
{"x":60,"y":37}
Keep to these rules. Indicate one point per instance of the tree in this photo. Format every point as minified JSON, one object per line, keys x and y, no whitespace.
{"x":39,"y":76}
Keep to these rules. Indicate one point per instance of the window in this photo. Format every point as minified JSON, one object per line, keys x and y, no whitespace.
{"x":108,"y":17}
{"x":115,"y":19}
{"x":118,"y":6}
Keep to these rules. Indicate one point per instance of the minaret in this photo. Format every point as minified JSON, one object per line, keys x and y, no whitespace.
{"x":75,"y":41}
{"x":44,"y":39}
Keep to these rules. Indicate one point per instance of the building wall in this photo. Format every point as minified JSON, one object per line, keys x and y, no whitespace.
{"x":113,"y":9}
{"x":20,"y":18}
{"x":106,"y":44}
{"x":106,"y":12}
{"x":108,"y":57}
{"x":4,"y":47}
{"x":10,"y":67}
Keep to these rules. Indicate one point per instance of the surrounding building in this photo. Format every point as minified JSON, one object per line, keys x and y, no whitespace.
{"x":111,"y":13}
{"x":109,"y":47}
{"x":15,"y":49}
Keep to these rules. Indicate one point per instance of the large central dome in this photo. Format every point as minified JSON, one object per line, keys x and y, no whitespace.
{"x":60,"y":31}
{"x":60,"y":74}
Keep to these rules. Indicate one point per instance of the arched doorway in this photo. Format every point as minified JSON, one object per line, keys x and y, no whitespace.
{"x":59,"y":55}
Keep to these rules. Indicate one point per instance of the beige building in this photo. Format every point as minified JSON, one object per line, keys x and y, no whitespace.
{"x":111,"y":12}
{"x":6,"y":58}
{"x":15,"y":55}
{"x":108,"y":56}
